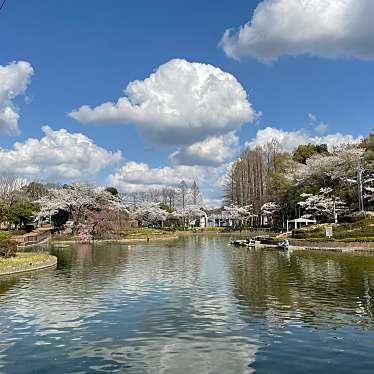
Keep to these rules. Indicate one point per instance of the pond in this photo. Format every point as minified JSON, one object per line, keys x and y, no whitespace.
{"x":194,"y":305}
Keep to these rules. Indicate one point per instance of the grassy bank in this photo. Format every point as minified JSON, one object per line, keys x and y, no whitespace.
{"x":361,"y":231}
{"x":144,"y":233}
{"x":26,"y":262}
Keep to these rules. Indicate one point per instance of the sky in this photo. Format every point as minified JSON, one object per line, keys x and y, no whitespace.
{"x":142,"y":94}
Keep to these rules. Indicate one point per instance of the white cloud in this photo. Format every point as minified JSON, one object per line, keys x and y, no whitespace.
{"x":327,"y":28}
{"x":180,"y":103}
{"x":59,"y":155}
{"x":213,"y":151}
{"x":14,"y":80}
{"x":290,"y":140}
{"x":134,"y":176}
{"x":319,"y":127}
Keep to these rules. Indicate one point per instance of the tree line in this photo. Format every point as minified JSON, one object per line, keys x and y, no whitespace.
{"x":311,"y":181}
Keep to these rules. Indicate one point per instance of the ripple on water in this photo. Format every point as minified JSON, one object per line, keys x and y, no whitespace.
{"x":190,"y":306}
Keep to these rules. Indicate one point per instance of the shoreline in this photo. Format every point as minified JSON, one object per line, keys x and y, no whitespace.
{"x":336,"y":246}
{"x":28,"y":266}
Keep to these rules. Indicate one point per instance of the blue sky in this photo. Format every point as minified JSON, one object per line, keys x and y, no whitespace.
{"x":86,"y":52}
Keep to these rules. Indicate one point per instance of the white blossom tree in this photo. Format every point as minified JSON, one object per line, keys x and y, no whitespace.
{"x":238,"y":214}
{"x":190,"y":213}
{"x":76,"y":199}
{"x":325,"y":203}
{"x":270,"y":209}
{"x":150,"y":213}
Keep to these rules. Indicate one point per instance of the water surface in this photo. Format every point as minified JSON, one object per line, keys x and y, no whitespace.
{"x":194,"y":305}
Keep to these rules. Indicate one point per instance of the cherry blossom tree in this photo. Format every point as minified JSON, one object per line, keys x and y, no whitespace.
{"x":238,"y":214}
{"x":190,"y":213}
{"x":270,"y":209}
{"x":325,"y":203}
{"x":77,"y":200}
{"x":150,"y":213}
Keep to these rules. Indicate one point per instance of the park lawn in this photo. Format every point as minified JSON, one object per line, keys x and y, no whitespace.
{"x":143,"y":232}
{"x":359,"y":231}
{"x":23,"y":259}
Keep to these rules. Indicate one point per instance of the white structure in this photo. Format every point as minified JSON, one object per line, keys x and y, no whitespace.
{"x":300,"y":221}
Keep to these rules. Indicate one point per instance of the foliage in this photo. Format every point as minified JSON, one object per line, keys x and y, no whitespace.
{"x":4,"y":235}
{"x":298,"y":183}
{"x":112,"y":190}
{"x":323,"y":204}
{"x":150,"y":213}
{"x":165,"y":207}
{"x":305,"y":151}
{"x":60,"y":218}
{"x":84,"y":233}
{"x":8,"y":248}
{"x":22,"y":213}
{"x":3,"y":211}
{"x":77,"y":200}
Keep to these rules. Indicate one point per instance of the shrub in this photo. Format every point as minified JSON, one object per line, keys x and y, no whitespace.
{"x":4,"y":235}
{"x":8,"y":248}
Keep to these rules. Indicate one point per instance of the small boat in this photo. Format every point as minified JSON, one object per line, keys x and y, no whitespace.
{"x":243,"y":243}
{"x":272,"y":242}
{"x":284,"y":244}
{"x":251,"y":243}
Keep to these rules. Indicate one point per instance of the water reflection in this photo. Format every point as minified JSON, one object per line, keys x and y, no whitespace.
{"x":312,"y":287}
{"x":189,"y":306}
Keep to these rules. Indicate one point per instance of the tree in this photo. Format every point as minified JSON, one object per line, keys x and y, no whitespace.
{"x":305,"y":151}
{"x":112,"y":190}
{"x":3,"y":212}
{"x":60,"y":218}
{"x":195,"y":195}
{"x":323,"y":204}
{"x":22,"y":213}
{"x":35,"y":190}
{"x":270,"y":209}
{"x":9,"y":185}
{"x":237,"y":214}
{"x":189,"y":213}
{"x":77,"y":199}
{"x":150,"y":213}
{"x":169,"y":195}
{"x":183,"y":192}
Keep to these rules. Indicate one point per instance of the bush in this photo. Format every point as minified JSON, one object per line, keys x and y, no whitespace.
{"x":8,"y":248}
{"x":4,"y":235}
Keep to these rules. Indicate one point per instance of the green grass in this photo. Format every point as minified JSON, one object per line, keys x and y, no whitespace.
{"x":142,"y":232}
{"x":23,"y":259}
{"x":361,"y":230}
{"x":208,"y":229}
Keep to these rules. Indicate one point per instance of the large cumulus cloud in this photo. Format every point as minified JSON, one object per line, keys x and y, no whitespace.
{"x":180,"y":103}
{"x":328,"y":28}
{"x":14,"y":80}
{"x":290,"y":140}
{"x":213,"y":151}
{"x":59,"y":155}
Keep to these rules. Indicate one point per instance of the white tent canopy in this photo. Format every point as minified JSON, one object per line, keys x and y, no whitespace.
{"x":300,"y":221}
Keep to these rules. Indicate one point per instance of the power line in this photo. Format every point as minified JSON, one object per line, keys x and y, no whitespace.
{"x":2,"y":5}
